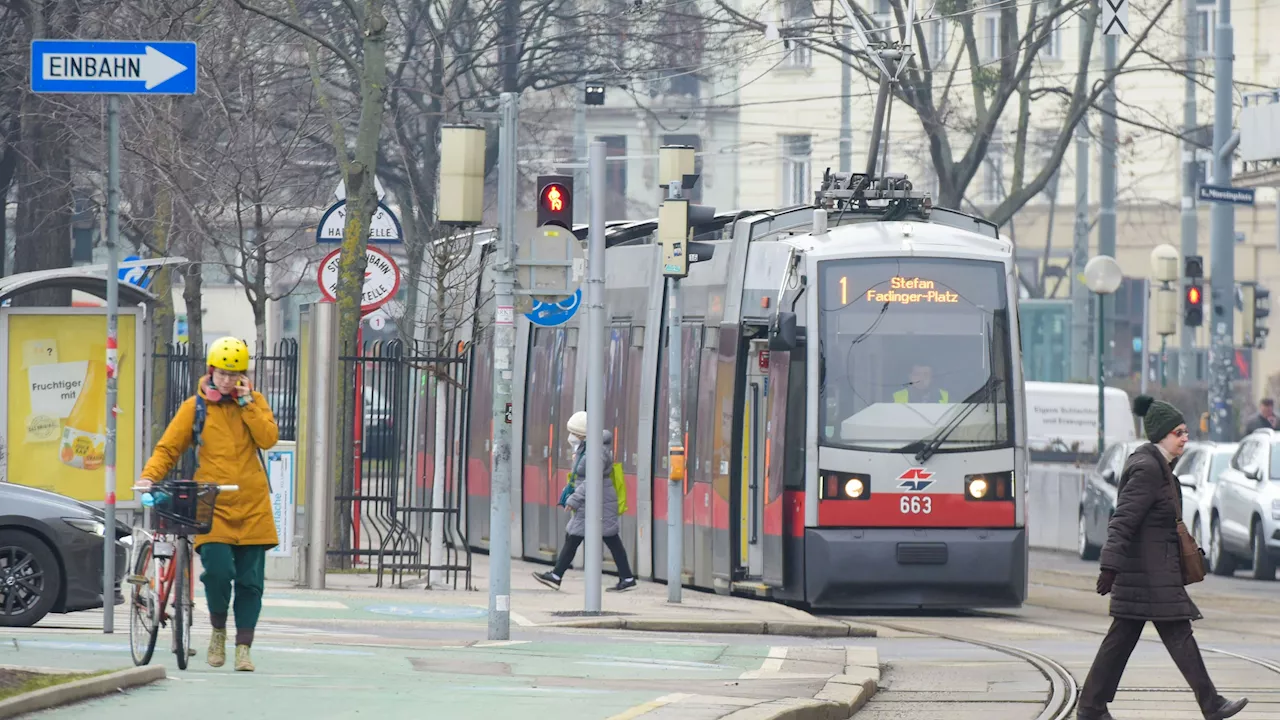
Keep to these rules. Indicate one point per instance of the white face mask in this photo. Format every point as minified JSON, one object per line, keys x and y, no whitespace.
{"x":574,"y":441}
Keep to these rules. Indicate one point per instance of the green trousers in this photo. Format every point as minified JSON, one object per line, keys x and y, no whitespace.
{"x":241,"y":566}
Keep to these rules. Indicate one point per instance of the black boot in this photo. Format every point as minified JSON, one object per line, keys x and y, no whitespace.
{"x":1088,"y":714}
{"x":1227,"y":709}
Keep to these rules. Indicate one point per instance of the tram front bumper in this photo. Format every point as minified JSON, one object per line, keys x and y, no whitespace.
{"x":906,"y":568}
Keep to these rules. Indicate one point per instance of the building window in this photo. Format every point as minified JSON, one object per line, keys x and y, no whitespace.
{"x":1052,"y":48}
{"x":1206,"y":20}
{"x":883,"y":16}
{"x":796,"y":16}
{"x":695,"y":195}
{"x":615,"y":176}
{"x":796,"y":161}
{"x":938,"y":33}
{"x":993,"y":174}
{"x":990,"y":37}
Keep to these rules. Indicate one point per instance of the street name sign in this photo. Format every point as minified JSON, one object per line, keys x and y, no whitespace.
{"x":113,"y":67}
{"x":1223,"y":194}
{"x":381,"y":278}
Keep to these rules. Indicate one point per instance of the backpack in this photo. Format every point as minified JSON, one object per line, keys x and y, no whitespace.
{"x":197,"y":428}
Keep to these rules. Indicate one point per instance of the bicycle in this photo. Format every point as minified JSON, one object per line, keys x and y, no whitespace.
{"x":163,"y":561}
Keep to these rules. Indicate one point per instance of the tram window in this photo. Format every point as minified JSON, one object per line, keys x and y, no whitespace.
{"x":793,"y":472}
{"x":907,"y":346}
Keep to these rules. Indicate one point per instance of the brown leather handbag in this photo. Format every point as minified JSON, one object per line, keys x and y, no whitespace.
{"x":1190,"y":555}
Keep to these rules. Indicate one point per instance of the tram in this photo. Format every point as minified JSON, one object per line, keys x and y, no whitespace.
{"x":853,"y":407}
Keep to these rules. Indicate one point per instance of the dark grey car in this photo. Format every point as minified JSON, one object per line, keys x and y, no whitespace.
{"x":1098,"y":498}
{"x":51,"y":555}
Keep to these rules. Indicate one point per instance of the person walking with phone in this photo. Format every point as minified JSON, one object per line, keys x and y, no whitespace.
{"x":233,"y":422}
{"x":1142,"y":571}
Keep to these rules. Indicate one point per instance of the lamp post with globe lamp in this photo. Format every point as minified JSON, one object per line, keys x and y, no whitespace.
{"x":1103,"y":276}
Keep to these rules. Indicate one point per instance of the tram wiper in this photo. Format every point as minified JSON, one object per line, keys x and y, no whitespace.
{"x":926,"y":447}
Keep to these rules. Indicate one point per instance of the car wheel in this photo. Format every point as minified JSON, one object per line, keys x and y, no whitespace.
{"x":1223,"y":564}
{"x":1086,"y":550}
{"x":1264,"y":568}
{"x":30,"y":579}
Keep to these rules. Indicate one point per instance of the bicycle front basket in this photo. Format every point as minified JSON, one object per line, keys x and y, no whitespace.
{"x":188,"y":509}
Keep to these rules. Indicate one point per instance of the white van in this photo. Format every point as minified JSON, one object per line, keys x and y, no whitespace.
{"x":1062,"y":420}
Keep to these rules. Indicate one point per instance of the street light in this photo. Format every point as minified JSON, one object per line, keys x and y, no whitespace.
{"x":1103,"y":276}
{"x":1164,"y":270}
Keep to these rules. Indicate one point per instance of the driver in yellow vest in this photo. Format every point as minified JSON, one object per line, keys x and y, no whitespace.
{"x":920,"y":389}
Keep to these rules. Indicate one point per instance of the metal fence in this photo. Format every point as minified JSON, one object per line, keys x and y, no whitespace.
{"x":275,"y":375}
{"x":385,"y":499}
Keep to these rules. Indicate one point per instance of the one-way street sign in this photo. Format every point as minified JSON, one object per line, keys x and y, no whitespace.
{"x":113,"y":67}
{"x":1230,"y":195}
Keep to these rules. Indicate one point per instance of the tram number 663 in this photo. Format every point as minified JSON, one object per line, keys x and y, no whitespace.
{"x":916,"y":505}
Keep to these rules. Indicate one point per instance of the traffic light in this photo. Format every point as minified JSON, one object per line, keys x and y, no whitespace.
{"x":555,"y":201}
{"x":594,"y":94}
{"x":1261,"y":308}
{"x":1193,"y":268}
{"x":1193,"y":305}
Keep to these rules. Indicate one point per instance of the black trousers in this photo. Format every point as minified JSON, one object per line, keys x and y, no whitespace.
{"x":1113,"y":655}
{"x":613,"y":542}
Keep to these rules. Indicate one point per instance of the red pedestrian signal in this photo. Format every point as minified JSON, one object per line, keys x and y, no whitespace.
{"x":555,"y":201}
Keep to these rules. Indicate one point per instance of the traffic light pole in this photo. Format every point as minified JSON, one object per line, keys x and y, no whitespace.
{"x":675,"y":439}
{"x":1190,"y":218}
{"x":1220,"y":314}
{"x":595,"y":380}
{"x":504,"y":337}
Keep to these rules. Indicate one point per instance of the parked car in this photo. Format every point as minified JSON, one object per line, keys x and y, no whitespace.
{"x":51,"y":555}
{"x":1244,"y":525}
{"x":1098,"y":498}
{"x":1198,"y":471}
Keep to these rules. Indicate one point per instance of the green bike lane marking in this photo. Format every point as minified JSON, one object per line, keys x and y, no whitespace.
{"x":587,"y":681}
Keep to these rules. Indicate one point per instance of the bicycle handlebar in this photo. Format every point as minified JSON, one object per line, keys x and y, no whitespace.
{"x":221,"y":488}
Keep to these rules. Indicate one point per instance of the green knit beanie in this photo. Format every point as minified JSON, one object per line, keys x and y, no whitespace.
{"x":1158,"y":418}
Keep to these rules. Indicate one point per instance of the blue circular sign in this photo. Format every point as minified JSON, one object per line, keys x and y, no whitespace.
{"x":430,"y":612}
{"x":552,"y":314}
{"x":134,"y":275}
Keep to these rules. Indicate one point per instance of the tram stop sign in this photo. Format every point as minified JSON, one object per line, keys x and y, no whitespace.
{"x":550,"y":267}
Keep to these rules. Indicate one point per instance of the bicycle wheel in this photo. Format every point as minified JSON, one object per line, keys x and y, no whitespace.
{"x":182,"y":603}
{"x":144,"y":606}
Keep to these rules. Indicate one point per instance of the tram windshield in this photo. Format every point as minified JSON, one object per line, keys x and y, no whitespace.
{"x":915,"y":354}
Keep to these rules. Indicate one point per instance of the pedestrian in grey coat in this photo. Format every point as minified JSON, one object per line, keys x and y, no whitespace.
{"x":611,"y":523}
{"x":1142,"y":563}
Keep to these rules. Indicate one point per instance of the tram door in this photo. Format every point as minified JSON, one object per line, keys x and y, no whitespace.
{"x":755,"y":419}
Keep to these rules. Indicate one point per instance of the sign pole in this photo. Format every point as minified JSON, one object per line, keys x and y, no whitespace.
{"x":595,"y":479}
{"x":504,"y":341}
{"x":113,"y":300}
{"x":676,"y":468}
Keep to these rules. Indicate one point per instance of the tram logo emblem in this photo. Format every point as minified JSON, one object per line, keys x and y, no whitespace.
{"x":915,"y":480}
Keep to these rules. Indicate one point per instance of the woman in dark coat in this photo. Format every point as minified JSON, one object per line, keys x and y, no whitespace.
{"x":1141,"y":568}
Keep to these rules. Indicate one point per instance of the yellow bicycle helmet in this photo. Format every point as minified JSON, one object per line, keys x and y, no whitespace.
{"x":230,"y":354}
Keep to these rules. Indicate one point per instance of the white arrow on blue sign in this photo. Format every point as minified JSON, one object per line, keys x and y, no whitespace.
{"x":113,"y":67}
{"x":553,"y":314}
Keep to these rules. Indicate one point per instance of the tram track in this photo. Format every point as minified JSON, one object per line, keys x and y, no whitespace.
{"x":1063,"y":691}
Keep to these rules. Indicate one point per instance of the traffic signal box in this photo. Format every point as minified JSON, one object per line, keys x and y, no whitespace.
{"x":1193,"y":295}
{"x":555,"y":201}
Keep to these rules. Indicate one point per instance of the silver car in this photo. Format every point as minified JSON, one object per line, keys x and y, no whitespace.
{"x":1198,"y":471}
{"x":1245,"y":512}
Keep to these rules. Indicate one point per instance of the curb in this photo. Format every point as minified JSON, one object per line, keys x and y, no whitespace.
{"x":733,"y":627}
{"x":74,"y":692}
{"x":840,"y":698}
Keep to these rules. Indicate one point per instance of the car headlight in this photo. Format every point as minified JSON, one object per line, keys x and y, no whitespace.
{"x":93,"y":527}
{"x":845,"y":486}
{"x":989,"y":486}
{"x":1275,"y":509}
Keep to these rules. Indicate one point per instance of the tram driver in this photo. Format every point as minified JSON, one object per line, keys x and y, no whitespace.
{"x":920,"y":388}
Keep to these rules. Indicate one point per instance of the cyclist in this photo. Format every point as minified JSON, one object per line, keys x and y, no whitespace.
{"x":238,"y":423}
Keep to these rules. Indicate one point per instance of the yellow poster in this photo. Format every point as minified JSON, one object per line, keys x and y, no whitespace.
{"x":56,"y":407}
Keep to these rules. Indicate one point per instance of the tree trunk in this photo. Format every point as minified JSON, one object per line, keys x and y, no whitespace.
{"x":195,"y":318}
{"x":162,"y":312}
{"x":43,"y":227}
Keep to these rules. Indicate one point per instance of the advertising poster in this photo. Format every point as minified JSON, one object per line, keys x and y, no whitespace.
{"x":55,"y":409}
{"x":280,"y":472}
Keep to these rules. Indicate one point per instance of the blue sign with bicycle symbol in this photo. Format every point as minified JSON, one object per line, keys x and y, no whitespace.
{"x":553,"y":314}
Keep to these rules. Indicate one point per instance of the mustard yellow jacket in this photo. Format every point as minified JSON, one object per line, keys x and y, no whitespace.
{"x":229,"y":448}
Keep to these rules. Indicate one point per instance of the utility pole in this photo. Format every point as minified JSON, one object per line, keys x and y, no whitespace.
{"x":1190,"y":217}
{"x":1107,"y":187}
{"x":846,"y":107}
{"x":1222,"y":252}
{"x":113,"y":335}
{"x":595,"y":381}
{"x":504,"y":342}
{"x":675,"y":438}
{"x":580,"y":211}
{"x":1080,"y":243}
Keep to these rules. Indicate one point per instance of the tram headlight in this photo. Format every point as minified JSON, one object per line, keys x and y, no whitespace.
{"x":989,"y":486}
{"x":845,"y":485}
